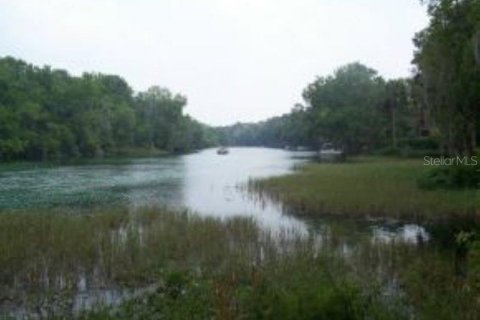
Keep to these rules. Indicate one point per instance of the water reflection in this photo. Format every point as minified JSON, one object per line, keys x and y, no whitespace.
{"x":203,"y":182}
{"x":407,"y":233}
{"x":214,"y":185}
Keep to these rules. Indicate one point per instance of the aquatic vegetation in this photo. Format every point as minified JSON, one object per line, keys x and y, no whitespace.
{"x":47,"y":255}
{"x":153,"y":263}
{"x":367,"y":186}
{"x":451,"y":177}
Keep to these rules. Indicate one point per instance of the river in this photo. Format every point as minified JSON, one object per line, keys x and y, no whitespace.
{"x":203,"y":182}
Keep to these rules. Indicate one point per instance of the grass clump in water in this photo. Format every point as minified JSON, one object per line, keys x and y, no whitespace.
{"x":183,"y":266}
{"x":367,"y":186}
{"x":176,"y":265}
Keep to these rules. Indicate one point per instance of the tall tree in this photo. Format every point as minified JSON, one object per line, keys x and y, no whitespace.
{"x":346,"y":107}
{"x":396,"y":107}
{"x":47,"y":114}
{"x":449,"y":76}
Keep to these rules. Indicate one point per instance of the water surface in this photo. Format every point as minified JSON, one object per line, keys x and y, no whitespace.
{"x":203,"y":182}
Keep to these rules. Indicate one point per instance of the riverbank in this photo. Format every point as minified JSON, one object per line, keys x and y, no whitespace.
{"x":123,"y":156}
{"x":368,"y":186}
{"x":138,"y":152}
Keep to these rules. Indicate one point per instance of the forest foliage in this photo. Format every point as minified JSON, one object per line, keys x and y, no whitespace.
{"x":354,"y":109}
{"x":49,"y":114}
{"x":357,"y":110}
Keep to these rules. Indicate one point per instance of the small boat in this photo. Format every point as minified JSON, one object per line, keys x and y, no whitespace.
{"x":329,"y":153}
{"x":222,"y":151}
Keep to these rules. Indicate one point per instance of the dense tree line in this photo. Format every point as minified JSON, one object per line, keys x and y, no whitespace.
{"x":354,"y":109}
{"x":357,"y":110}
{"x":447,"y":73}
{"x":288,"y":129}
{"x":49,"y":114}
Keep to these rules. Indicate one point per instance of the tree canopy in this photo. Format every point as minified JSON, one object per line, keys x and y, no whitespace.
{"x":49,"y":114}
{"x":357,"y":110}
{"x":354,"y":109}
{"x":447,"y":72}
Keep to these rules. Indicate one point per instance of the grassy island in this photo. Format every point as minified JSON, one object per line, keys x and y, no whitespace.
{"x":368,"y":186}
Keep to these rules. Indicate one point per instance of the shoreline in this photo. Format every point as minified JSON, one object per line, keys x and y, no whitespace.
{"x":367,"y":186}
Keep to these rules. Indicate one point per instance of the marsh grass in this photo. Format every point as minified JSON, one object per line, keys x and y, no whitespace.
{"x":367,"y":186}
{"x":44,"y":255}
{"x":193,"y":267}
{"x":204,"y":268}
{"x":47,"y":257}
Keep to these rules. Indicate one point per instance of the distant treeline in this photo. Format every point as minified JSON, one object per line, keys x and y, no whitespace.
{"x":353,"y":109}
{"x":357,"y":110}
{"x":49,"y":114}
{"x":289,"y":129}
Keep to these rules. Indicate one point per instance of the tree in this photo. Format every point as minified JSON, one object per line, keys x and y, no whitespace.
{"x":448,"y":73}
{"x":47,"y":114}
{"x":346,"y":107}
{"x":396,"y":107}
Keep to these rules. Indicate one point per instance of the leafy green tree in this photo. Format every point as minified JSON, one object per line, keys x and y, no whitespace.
{"x":448,"y":73}
{"x":46,"y":114}
{"x":346,"y":108}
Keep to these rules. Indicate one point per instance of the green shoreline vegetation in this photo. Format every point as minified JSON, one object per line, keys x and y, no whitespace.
{"x":200,"y":268}
{"x":121,"y":156}
{"x":376,"y":186}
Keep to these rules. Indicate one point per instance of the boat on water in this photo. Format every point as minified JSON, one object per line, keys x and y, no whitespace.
{"x":328,"y":153}
{"x":222,"y":151}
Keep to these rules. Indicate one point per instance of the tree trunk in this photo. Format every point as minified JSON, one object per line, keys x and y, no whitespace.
{"x":476,"y":42}
{"x":450,"y":141}
{"x":394,"y":129}
{"x":474,"y":137}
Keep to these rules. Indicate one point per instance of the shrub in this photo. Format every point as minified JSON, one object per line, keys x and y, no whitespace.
{"x":412,"y":148}
{"x":419,"y":144}
{"x":451,"y":177}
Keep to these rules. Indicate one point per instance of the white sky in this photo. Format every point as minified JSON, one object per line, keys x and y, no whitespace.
{"x":236,"y":60}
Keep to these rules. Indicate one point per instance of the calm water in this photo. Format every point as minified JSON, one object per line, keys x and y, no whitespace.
{"x":203,"y":182}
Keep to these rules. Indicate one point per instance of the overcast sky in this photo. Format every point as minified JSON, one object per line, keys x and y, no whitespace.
{"x":236,"y":60}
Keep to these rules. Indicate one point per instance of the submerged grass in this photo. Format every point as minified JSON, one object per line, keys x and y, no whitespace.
{"x":367,"y":186}
{"x":195,"y":267}
{"x":203,"y":268}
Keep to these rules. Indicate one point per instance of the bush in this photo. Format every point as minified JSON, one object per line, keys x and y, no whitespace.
{"x":412,"y":148}
{"x":408,"y":152}
{"x":419,"y":144}
{"x":451,"y":177}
